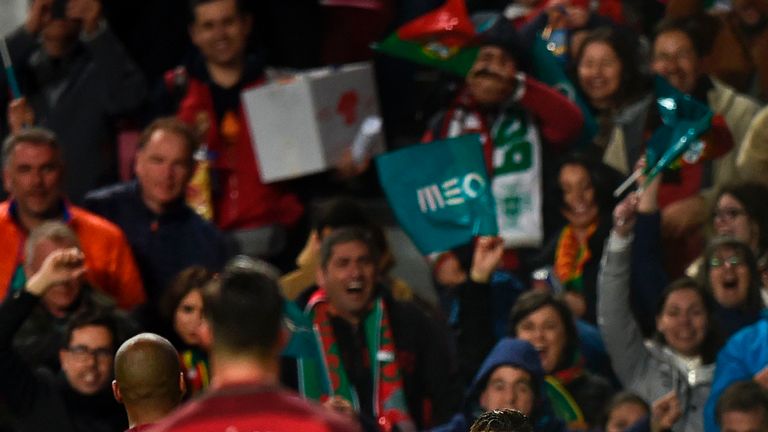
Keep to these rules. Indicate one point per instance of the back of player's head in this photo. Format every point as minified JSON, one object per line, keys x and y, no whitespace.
{"x":147,"y":372}
{"x":507,"y":420}
{"x":244,"y":308}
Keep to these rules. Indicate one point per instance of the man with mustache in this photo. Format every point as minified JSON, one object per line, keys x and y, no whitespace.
{"x":518,"y":118}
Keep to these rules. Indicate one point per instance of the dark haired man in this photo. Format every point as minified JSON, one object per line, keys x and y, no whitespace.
{"x":377,"y":364}
{"x":679,"y":49}
{"x":507,"y":420}
{"x":743,"y":407}
{"x":77,"y":399}
{"x":520,"y":120}
{"x":244,"y":309}
{"x":208,"y":92}
{"x":165,"y":234}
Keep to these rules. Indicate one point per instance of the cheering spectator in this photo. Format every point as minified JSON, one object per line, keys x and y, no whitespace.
{"x":578,"y":396}
{"x":681,"y":357}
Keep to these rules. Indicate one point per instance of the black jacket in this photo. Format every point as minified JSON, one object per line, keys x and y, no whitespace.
{"x":40,"y":400}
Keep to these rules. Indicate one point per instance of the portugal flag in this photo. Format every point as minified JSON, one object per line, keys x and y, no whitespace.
{"x":441,"y":39}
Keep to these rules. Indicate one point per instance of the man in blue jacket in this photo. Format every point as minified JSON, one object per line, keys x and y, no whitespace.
{"x":165,"y":234}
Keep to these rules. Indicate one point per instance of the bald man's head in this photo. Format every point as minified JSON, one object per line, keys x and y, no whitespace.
{"x":147,"y":373}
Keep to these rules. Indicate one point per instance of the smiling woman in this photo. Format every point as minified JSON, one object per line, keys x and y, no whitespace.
{"x":609,"y":73}
{"x":681,"y":356}
{"x":741,"y":211}
{"x":577,"y":395}
{"x":582,"y":196}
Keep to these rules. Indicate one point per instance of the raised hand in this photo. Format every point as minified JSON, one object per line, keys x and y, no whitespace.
{"x":624,"y":215}
{"x":87,"y":11}
{"x":38,"y":16}
{"x":61,"y":266}
{"x":20,"y":114}
{"x":649,"y":197}
{"x":665,"y":412}
{"x":486,"y":258}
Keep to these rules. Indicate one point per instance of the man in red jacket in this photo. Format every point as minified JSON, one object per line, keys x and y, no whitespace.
{"x":520,"y":120}
{"x":210,"y":87}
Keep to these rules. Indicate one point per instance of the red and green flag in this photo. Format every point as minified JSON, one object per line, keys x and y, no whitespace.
{"x":441,"y":38}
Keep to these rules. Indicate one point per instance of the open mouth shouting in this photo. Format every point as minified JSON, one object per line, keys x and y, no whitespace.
{"x":355,"y":287}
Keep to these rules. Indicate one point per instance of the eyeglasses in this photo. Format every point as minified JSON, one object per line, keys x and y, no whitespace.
{"x":82,"y":353}
{"x":731,"y":261}
{"x":727,"y":214}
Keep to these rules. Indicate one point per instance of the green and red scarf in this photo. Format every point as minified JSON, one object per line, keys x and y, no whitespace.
{"x":563,"y":403}
{"x":324,"y":377}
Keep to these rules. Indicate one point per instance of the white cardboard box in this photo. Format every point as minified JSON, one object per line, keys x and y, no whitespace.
{"x":303,"y":126}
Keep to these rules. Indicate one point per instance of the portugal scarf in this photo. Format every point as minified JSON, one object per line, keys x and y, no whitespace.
{"x":570,"y":257}
{"x":563,"y":403}
{"x":325,"y":376}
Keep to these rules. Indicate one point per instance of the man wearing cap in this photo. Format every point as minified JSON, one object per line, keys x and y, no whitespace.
{"x":518,"y":119}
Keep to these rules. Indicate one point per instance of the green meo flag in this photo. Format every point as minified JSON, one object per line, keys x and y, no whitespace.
{"x":440,"y":192}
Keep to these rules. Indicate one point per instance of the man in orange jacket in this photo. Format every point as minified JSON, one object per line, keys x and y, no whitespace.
{"x":33,"y":172}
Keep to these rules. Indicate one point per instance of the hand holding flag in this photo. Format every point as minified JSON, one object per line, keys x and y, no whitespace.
{"x":9,"y":73}
{"x":677,"y":140}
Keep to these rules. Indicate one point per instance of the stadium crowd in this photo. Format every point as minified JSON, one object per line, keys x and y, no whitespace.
{"x":151,"y":278}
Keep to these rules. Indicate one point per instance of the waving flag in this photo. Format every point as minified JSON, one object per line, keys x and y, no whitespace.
{"x":444,"y":200}
{"x":547,"y":69}
{"x":440,"y":39}
{"x":684,"y":121}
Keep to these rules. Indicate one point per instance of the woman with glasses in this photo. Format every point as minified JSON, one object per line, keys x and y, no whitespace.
{"x":741,"y":211}
{"x":730,"y":274}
